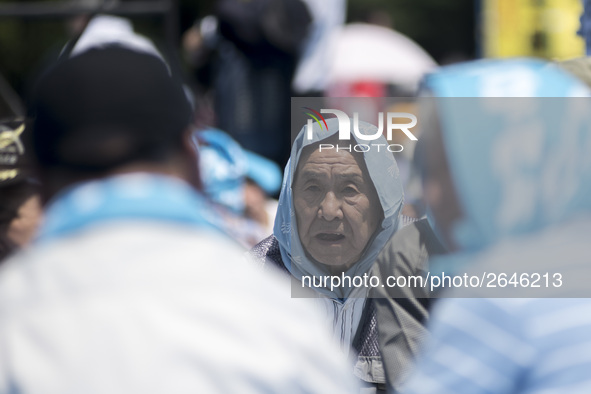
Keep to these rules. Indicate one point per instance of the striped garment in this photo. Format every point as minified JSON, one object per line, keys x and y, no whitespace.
{"x":516,"y":345}
{"x":507,"y":346}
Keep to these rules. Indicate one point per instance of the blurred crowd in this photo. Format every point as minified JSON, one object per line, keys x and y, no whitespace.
{"x":160,"y":233}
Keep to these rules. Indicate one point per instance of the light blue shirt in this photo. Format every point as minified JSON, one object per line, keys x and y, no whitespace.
{"x":507,"y":346}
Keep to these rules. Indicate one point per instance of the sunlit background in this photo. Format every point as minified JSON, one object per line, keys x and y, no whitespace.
{"x":450,"y":31}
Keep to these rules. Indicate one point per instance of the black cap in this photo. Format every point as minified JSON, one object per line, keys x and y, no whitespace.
{"x":106,"y":107}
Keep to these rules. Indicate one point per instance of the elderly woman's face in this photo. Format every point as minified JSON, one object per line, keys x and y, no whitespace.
{"x":336,"y":207}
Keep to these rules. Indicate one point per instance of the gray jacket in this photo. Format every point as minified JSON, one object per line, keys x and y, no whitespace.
{"x":402,"y":311}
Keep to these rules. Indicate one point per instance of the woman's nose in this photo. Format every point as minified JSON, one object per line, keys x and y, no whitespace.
{"x":330,"y":207}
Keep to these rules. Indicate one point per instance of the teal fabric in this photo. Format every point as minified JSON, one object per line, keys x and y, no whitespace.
{"x":224,"y":166}
{"x":138,"y":196}
{"x":521,"y":167}
{"x":384,"y":174}
{"x":517,"y":146}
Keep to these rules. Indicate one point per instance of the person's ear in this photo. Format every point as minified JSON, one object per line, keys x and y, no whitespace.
{"x":191,"y":152}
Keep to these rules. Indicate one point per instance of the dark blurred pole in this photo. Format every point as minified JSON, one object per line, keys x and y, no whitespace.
{"x":172,"y":23}
{"x":14,"y":105}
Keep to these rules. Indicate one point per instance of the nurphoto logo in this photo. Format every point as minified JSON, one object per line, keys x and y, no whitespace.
{"x":344,"y":120}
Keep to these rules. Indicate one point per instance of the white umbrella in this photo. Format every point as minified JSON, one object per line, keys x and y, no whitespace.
{"x":364,"y":52}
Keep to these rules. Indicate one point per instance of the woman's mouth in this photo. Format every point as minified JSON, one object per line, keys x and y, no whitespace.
{"x":329,"y":237}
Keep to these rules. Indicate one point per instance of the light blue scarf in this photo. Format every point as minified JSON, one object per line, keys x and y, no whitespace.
{"x":137,"y":196}
{"x":518,"y":164}
{"x":384,"y":175}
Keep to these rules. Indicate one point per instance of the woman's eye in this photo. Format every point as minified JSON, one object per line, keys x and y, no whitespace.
{"x":350,"y":191}
{"x":312,"y":188}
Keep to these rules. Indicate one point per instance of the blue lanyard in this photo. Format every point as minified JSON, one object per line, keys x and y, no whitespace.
{"x":129,"y":196}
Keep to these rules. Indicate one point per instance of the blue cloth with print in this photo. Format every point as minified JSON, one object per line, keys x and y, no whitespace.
{"x":517,"y":147}
{"x":137,"y":196}
{"x":522,"y":171}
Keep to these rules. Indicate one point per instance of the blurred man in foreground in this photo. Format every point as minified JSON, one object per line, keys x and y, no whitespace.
{"x":129,"y":287}
{"x":508,"y":180}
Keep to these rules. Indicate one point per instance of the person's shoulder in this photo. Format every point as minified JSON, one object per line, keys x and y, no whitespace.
{"x":267,"y":254}
{"x":410,"y":246}
{"x":267,"y":246}
{"x":116,"y":247}
{"x":552,"y":263}
{"x":98,"y":255}
{"x":135,"y":256}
